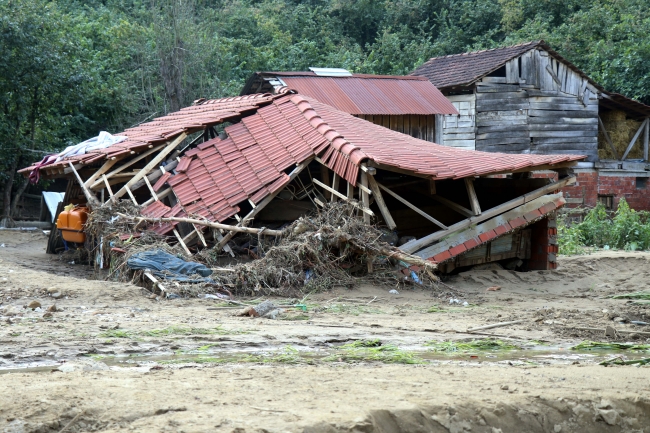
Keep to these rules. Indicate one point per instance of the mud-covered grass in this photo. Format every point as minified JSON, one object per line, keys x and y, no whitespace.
{"x":609,"y":346}
{"x":482,"y":345}
{"x":373,"y":351}
{"x":169,"y":331}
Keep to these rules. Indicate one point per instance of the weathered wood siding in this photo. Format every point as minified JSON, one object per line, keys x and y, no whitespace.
{"x":540,"y":106}
{"x":460,"y":130}
{"x":418,"y":126}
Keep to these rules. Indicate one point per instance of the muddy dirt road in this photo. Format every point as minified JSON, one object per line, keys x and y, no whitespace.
{"x":110,"y":358}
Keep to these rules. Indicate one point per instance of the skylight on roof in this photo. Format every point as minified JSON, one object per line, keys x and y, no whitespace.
{"x":331,"y":72}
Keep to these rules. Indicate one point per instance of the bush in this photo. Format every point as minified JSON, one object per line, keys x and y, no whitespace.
{"x":627,"y":230}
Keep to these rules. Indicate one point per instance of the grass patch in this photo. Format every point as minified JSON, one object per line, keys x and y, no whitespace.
{"x":295,"y":317}
{"x":117,"y":333}
{"x":170,"y":331}
{"x":436,"y":309}
{"x":620,"y":361}
{"x":595,"y":345}
{"x":195,"y":360}
{"x":288,"y":355}
{"x":645,"y":295}
{"x":483,"y":345}
{"x":372,"y":351}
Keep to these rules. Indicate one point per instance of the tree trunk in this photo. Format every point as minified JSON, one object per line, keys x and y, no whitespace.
{"x":19,"y":193}
{"x":6,"y":196}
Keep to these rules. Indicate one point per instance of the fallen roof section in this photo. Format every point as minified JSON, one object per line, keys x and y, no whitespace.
{"x":359,"y":93}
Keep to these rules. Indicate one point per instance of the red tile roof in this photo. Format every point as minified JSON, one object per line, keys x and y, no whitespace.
{"x":252,"y":162}
{"x":366,"y":94}
{"x":190,"y":119}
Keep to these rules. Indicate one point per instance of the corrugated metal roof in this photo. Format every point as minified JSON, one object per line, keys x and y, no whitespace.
{"x":252,"y":162}
{"x":367,"y":94}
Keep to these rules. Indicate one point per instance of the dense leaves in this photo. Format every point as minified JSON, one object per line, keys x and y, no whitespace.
{"x":70,"y":68}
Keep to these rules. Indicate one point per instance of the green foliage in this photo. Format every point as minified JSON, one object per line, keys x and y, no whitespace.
{"x":626,"y":230}
{"x":595,"y":345}
{"x":645,"y":295}
{"x":372,"y":351}
{"x":470,"y":346}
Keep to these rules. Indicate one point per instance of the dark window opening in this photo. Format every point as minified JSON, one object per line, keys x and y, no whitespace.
{"x":641,"y":182}
{"x":607,"y":201}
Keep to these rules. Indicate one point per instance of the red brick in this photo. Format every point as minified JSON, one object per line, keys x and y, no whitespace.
{"x":501,"y":229}
{"x":519,"y":221}
{"x":484,"y":237}
{"x":532,"y":215}
{"x":471,"y":243}
{"x":458,"y":249}
{"x":445,"y":255}
{"x":549,"y":207}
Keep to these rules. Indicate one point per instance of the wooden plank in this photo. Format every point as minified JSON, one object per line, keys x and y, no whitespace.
{"x":467,"y":136}
{"x":502,"y":104}
{"x":557,"y":100}
{"x":560,"y":127}
{"x":365,"y":198}
{"x":550,"y":140}
{"x":517,"y":94}
{"x":563,"y":120}
{"x":496,"y":88}
{"x":439,"y":129}
{"x":553,"y":75}
{"x":455,"y":206}
{"x":335,"y":186}
{"x":180,"y":241}
{"x":418,"y":244}
{"x":520,"y":120}
{"x":512,"y":71}
{"x":593,"y":133}
{"x":462,"y":98}
{"x":128,"y":190}
{"x":607,"y":139}
{"x":465,"y":144}
{"x":502,"y":134}
{"x":533,"y":112}
{"x":325,"y":178}
{"x":500,"y":80}
{"x":504,"y":128}
{"x":153,"y":193}
{"x":365,"y":209}
{"x":633,"y":141}
{"x":153,"y":163}
{"x":128,"y":164}
{"x":162,"y":194}
{"x":464,"y":130}
{"x":413,"y":207}
{"x":523,"y":139}
{"x":473,"y":200}
{"x":522,"y":147}
{"x":529,"y":68}
{"x":379,"y":199}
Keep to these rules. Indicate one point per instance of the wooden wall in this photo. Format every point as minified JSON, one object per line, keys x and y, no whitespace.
{"x":534,"y":104}
{"x":460,"y":130}
{"x":418,"y":126}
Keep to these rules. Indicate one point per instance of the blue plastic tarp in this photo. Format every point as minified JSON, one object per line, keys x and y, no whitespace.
{"x":169,"y":267}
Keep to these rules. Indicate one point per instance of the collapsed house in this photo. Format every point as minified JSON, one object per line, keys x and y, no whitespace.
{"x":528,"y":99}
{"x":266,"y":159}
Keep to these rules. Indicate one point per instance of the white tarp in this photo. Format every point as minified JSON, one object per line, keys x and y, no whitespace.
{"x":103,"y":140}
{"x":52,"y":200}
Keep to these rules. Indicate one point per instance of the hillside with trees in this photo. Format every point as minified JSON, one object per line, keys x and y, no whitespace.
{"x":69,"y":69}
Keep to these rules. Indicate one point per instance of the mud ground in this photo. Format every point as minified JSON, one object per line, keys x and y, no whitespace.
{"x":110,"y":358}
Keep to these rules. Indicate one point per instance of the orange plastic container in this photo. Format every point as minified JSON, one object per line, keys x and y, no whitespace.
{"x":71,"y":223}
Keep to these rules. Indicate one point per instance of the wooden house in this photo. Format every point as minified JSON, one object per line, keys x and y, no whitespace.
{"x":528,"y":99}
{"x":407,"y":104}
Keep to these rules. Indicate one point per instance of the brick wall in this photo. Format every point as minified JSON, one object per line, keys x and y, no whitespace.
{"x":592,"y":183}
{"x":543,"y":244}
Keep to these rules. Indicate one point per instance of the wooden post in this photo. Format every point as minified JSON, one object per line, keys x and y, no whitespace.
{"x":412,"y":206}
{"x":350,"y":191}
{"x":153,"y":163}
{"x":153,"y":193}
{"x":473,"y":200}
{"x":180,"y":241}
{"x":335,"y":186}
{"x":325,"y":178}
{"x":638,"y":132}
{"x":645,"y":141}
{"x":94,"y":183}
{"x":365,"y":198}
{"x":607,"y":139}
{"x":381,"y":203}
{"x":108,"y":188}
{"x":128,"y":190}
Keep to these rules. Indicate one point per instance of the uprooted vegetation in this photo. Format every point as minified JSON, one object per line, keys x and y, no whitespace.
{"x":332,"y":247}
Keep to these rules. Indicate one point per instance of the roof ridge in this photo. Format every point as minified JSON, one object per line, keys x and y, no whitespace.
{"x":532,"y":43}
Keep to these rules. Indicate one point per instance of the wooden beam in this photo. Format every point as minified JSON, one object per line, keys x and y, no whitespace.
{"x":412,"y":206}
{"x":294,"y":173}
{"x":365,"y":197}
{"x":153,"y":163}
{"x":91,"y":199}
{"x":638,"y":132}
{"x":558,"y":166}
{"x":162,"y":194}
{"x":128,"y":164}
{"x":335,"y":186}
{"x":103,"y":169}
{"x":350,"y":191}
{"x":471,"y":192}
{"x":397,"y":170}
{"x":366,"y":210}
{"x":455,"y":206}
{"x":198,"y":232}
{"x":379,"y":199}
{"x":607,"y":139}
{"x":418,"y":244}
{"x":153,"y":193}
{"x":128,"y":190}
{"x":108,"y":187}
{"x":180,"y":241}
